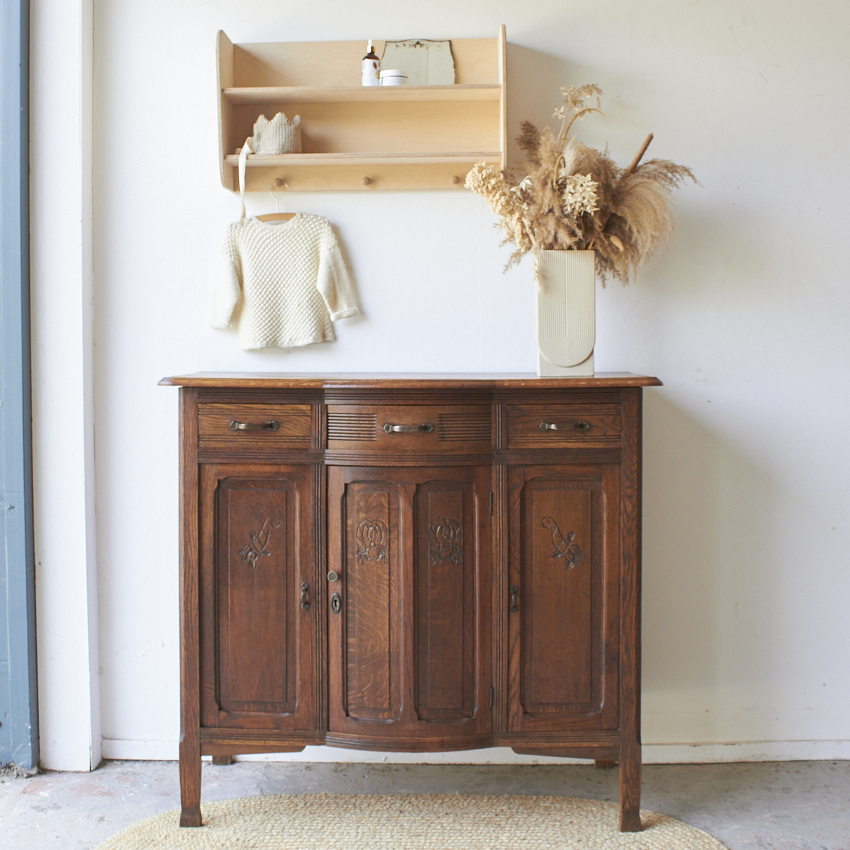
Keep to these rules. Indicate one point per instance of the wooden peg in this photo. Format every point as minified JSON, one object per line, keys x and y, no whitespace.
{"x":278,"y":182}
{"x":455,"y":179}
{"x":367,"y":181}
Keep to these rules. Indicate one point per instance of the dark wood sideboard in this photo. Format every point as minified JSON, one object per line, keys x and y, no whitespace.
{"x":410,"y":563}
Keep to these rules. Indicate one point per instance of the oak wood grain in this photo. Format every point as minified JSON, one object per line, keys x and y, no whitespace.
{"x":190,"y":750}
{"x":562,"y":527}
{"x":281,"y":425}
{"x":630,"y":603}
{"x":258,"y":645}
{"x":390,"y":380}
{"x":428,"y":538}
{"x":409,"y":647}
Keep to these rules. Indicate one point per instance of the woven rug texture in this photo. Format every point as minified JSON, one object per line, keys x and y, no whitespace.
{"x":409,"y":822}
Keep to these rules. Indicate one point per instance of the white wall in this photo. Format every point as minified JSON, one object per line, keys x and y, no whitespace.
{"x":745,"y":319}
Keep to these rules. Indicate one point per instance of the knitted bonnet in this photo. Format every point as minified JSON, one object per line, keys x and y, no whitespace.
{"x":276,"y":136}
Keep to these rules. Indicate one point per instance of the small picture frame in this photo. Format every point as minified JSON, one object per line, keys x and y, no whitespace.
{"x":424,"y":62}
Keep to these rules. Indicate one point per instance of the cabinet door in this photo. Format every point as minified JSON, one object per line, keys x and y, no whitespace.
{"x":258,"y":640}
{"x":409,"y":638}
{"x":563,"y":598}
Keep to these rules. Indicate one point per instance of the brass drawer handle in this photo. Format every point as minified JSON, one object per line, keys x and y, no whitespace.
{"x":255,"y":426}
{"x":305,"y":604}
{"x":427,"y":428}
{"x":578,"y":425}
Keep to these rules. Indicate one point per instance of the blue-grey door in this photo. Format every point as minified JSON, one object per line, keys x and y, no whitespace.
{"x":18,"y":698}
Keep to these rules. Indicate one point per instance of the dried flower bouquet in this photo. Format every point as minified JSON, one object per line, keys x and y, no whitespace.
{"x":576,"y":198}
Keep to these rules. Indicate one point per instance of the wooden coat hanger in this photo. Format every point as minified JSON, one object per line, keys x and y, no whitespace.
{"x":278,"y":215}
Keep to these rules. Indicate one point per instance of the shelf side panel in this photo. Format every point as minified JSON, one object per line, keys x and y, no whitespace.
{"x":224,"y":79}
{"x":503,"y":102}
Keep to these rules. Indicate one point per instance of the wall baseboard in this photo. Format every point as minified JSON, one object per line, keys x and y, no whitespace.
{"x":704,"y":753}
{"x":711,"y":753}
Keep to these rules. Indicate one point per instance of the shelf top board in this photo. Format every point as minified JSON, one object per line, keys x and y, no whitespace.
{"x":398,"y":380}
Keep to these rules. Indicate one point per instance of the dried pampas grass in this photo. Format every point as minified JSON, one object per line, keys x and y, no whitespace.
{"x":577,"y":198}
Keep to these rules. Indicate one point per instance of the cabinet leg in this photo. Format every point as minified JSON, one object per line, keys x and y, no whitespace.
{"x":630,"y":776}
{"x":190,"y":782}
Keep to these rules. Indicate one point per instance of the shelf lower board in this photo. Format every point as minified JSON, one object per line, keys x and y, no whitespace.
{"x":364,"y":172}
{"x":299,"y":160}
{"x":361,"y":94}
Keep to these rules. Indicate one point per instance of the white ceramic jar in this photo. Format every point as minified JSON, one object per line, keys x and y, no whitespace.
{"x":393,"y":77}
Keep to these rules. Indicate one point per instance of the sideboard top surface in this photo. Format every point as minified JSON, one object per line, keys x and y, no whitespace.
{"x":399,"y":380}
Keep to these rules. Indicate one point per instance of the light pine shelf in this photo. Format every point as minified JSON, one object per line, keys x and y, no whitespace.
{"x":290,"y":160}
{"x":356,"y":137}
{"x":361,"y":172}
{"x":362,"y":94}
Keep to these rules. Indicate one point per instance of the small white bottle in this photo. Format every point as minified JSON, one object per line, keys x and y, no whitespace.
{"x":371,"y":64}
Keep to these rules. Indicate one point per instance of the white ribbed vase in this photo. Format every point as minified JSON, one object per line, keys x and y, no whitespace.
{"x":566,"y":312}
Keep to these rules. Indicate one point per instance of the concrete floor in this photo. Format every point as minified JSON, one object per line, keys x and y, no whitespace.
{"x":762,"y":806}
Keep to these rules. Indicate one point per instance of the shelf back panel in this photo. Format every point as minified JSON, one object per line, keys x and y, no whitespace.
{"x":337,"y":63}
{"x":381,"y":128}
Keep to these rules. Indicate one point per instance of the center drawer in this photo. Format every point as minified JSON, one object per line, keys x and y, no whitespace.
{"x":433,"y":429}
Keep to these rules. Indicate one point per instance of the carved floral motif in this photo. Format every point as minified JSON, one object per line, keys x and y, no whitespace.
{"x":446,"y":541}
{"x":258,"y":542}
{"x":372,"y":538}
{"x":564,"y":546}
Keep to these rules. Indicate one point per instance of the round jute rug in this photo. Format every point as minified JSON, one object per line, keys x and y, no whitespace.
{"x":409,"y":822}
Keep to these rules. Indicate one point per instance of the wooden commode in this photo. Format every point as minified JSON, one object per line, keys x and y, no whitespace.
{"x":410,"y":563}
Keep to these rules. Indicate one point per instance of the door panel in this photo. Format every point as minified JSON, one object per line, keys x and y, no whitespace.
{"x":371,"y":558}
{"x":563,"y":582}
{"x":258,"y":642}
{"x":558,"y":672}
{"x":444,"y":584}
{"x":257,"y":565}
{"x":408,"y":655}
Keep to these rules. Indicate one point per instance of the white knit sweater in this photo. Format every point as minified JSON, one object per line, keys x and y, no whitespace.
{"x":283,"y":284}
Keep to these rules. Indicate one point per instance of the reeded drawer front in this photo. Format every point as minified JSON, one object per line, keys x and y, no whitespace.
{"x":286,"y":425}
{"x":438,"y":429}
{"x":562,"y":425}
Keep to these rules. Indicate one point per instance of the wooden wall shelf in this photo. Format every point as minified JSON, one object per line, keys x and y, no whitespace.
{"x":355,"y":137}
{"x":362,"y":94}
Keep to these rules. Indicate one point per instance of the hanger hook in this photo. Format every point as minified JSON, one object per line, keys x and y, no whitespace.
{"x":276,"y":184}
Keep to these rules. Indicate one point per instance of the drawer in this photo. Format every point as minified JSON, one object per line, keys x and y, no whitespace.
{"x":284,"y":425}
{"x":560,"y":425}
{"x":434,"y":429}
